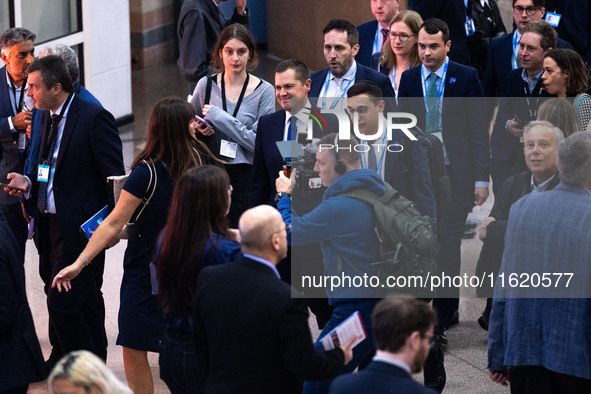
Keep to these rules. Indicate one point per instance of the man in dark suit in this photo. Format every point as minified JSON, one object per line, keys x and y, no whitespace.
{"x":452,"y":12}
{"x":460,"y":126}
{"x":21,"y":360}
{"x":364,"y":98}
{"x":543,"y":334}
{"x":79,"y":149}
{"x":574,"y":25}
{"x":341,"y":44}
{"x":18,"y":45}
{"x":524,"y":92}
{"x":503,"y":55}
{"x":71,"y":59}
{"x":373,"y":34}
{"x":200,"y":23}
{"x":403,"y":334}
{"x":261,"y":343}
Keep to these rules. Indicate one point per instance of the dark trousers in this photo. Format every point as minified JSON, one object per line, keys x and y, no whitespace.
{"x":18,"y":225}
{"x":179,"y":367}
{"x":77,"y":317}
{"x":450,"y":231}
{"x":240,"y":179}
{"x":539,"y":380}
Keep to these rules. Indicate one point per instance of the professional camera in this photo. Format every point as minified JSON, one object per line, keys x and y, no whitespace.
{"x":301,"y":156}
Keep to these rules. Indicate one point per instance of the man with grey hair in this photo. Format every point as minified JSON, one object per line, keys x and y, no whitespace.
{"x":18,"y":45}
{"x":541,"y":141}
{"x":546,"y":342}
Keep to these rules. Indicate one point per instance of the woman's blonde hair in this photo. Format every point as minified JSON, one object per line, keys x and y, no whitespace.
{"x":86,"y":370}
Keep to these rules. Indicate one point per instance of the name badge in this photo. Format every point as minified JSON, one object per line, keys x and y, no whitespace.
{"x":469,"y":26}
{"x":228,"y":149}
{"x":553,"y":19}
{"x":43,"y":173}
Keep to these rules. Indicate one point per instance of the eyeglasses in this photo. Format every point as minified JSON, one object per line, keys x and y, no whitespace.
{"x":361,"y":110}
{"x":402,"y":37}
{"x":529,"y":11}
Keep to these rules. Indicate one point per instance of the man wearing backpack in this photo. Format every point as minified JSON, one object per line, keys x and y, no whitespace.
{"x":346,"y":229}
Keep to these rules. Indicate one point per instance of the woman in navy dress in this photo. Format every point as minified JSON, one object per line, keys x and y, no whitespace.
{"x":187,"y":246}
{"x":173,"y":150}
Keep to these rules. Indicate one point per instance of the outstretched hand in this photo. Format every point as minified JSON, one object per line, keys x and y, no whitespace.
{"x":63,"y":278}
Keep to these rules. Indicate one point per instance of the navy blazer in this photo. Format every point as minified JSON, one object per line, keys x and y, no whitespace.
{"x":37,"y":131}
{"x":453,"y":12}
{"x":575,"y":24}
{"x":499,"y":64}
{"x":504,"y":145}
{"x":367,"y":35}
{"x":11,"y":159}
{"x":21,"y":360}
{"x":464,"y":128}
{"x":261,"y":316}
{"x":268,"y":161}
{"x":378,"y":378}
{"x":363,"y":74}
{"x":546,"y":233}
{"x":89,"y":152}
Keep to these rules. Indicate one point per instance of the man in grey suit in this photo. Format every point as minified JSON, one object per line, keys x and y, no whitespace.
{"x":544,"y":340}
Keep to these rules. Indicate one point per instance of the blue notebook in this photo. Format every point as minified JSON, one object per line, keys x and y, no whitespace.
{"x":92,"y":224}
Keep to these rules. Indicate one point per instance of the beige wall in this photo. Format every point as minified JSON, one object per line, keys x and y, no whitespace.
{"x":295,"y":27}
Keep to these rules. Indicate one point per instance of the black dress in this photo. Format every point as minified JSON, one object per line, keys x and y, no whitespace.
{"x":141,"y":322}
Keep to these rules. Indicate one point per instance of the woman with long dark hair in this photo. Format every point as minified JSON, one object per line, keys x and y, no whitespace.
{"x":172,"y":150}
{"x":233,"y":106}
{"x":566,"y":75}
{"x":196,"y":235}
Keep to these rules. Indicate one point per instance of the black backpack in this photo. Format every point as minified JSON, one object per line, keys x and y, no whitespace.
{"x":406,"y":240}
{"x":440,"y":181}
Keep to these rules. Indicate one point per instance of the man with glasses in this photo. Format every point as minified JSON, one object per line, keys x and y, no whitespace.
{"x":373,"y":34}
{"x":385,"y":156}
{"x":503,"y":55}
{"x":403,"y":334}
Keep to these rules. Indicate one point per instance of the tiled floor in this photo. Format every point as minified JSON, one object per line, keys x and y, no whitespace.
{"x":465,"y":357}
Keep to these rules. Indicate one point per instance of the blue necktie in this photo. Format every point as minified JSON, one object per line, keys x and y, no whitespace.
{"x":292,"y":126}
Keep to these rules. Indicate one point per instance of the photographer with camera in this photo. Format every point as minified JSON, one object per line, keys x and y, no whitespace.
{"x":346,"y":229}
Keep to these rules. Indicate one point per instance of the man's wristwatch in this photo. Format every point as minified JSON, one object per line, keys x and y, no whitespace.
{"x":279,"y":195}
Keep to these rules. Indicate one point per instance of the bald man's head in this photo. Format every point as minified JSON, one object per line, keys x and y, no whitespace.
{"x":262,"y":233}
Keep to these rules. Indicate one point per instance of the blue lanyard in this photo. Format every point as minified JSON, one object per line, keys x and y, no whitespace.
{"x":380,"y":162}
{"x":341,"y":94}
{"x":514,"y":55}
{"x":439,"y":89}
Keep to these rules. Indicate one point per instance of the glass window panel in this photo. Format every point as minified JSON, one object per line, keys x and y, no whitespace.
{"x":4,"y":16}
{"x":51,"y":19}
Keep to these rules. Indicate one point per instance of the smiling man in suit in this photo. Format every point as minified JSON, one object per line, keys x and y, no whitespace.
{"x":373,"y":34}
{"x":341,"y":44}
{"x":79,"y":149}
{"x":461,"y":127}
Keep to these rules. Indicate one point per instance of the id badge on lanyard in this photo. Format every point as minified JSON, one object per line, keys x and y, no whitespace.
{"x":43,"y":173}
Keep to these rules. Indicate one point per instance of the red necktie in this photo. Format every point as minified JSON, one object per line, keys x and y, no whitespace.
{"x":385,"y":34}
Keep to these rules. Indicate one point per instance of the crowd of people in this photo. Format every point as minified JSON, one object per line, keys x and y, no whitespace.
{"x":230,"y":203}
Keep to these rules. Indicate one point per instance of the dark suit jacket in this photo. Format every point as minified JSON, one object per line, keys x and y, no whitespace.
{"x":499,"y":64}
{"x":453,"y":12}
{"x":505,"y":146}
{"x":11,"y":159}
{"x":465,"y":133}
{"x":367,"y":35}
{"x":491,"y":254}
{"x":37,"y":131}
{"x":575,"y":24}
{"x":252,"y":335}
{"x":200,"y":23}
{"x":89,"y":152}
{"x":363,"y":74}
{"x":377,"y":378}
{"x":21,"y":360}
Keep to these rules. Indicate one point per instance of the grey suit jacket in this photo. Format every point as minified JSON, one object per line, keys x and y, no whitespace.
{"x":547,"y":233}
